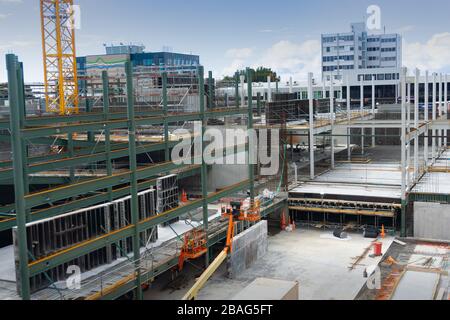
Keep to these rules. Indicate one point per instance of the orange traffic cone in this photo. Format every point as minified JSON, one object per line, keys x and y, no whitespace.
{"x":283,"y":221}
{"x":184,"y":197}
{"x":383,"y":232}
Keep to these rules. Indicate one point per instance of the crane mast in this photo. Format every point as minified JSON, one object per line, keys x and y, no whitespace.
{"x":59,"y":56}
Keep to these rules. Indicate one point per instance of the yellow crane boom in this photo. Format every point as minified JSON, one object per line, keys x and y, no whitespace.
{"x":59,"y":56}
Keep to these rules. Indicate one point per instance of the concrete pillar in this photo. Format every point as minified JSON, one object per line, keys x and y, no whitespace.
{"x":426,"y":115}
{"x":242,"y":91}
{"x":445,"y":108}
{"x":416,"y":124}
{"x":269,"y":89}
{"x":332,"y":122}
{"x":373,"y":111}
{"x":440,"y":112}
{"x":403,"y":150}
{"x":349,"y":118}
{"x":311,"y":126}
{"x":361,"y":111}
{"x":433,"y":143}
{"x":324,"y":90}
{"x":291,"y":85}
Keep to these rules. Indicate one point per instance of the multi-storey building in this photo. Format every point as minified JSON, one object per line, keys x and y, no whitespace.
{"x":358,"y":55}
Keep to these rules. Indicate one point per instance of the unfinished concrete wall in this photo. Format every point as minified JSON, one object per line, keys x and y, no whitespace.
{"x":431,"y":221}
{"x":248,"y":247}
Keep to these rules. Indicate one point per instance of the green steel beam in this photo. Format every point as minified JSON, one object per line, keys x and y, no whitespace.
{"x":133,"y":183}
{"x":204,"y":169}
{"x":54,"y":211}
{"x":36,"y":121}
{"x":171,"y":263}
{"x":86,"y":247}
{"x":251,"y":167}
{"x":87,"y":159}
{"x":19,"y":179}
{"x":47,"y":131}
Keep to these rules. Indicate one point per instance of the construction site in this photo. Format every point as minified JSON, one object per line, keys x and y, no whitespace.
{"x":115,"y":184}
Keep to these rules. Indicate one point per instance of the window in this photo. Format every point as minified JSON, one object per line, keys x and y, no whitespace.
{"x":388,"y":49}
{"x":388,"y":76}
{"x":380,"y":77}
{"x":389,"y":59}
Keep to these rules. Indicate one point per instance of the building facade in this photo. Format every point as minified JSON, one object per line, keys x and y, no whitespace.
{"x":359,"y":56}
{"x":116,"y":56}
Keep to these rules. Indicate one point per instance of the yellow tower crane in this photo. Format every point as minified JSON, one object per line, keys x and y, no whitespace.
{"x":60,"y":66}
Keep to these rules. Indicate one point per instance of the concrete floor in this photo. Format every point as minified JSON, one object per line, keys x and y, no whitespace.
{"x":315,"y":258}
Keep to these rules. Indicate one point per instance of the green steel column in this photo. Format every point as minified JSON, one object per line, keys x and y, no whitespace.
{"x":204,"y":170}
{"x":109,"y":170}
{"x":165,"y":110}
{"x":91,"y":135}
{"x":134,"y":185}
{"x":19,"y":190}
{"x":251,"y":166}
{"x":71,"y":155}
{"x":258,"y":103}
{"x":23,"y":112}
{"x":236,"y":89}
{"x":403,"y":218}
{"x":210,"y":91}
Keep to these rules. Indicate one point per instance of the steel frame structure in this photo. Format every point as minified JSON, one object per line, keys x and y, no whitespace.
{"x":59,"y":56}
{"x":33,"y":207}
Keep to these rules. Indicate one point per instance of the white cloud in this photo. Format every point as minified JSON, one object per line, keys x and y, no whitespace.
{"x":292,"y":59}
{"x":433,"y":55}
{"x":285,"y":57}
{"x":241,"y":53}
{"x":11,"y":1}
{"x":4,"y":15}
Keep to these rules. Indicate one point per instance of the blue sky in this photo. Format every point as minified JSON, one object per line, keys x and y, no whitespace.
{"x":282,"y":34}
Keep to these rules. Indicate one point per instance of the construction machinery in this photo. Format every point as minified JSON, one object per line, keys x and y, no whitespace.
{"x":233,"y":213}
{"x":59,"y":56}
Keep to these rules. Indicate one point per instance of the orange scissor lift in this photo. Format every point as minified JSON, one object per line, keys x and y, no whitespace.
{"x":195,"y":242}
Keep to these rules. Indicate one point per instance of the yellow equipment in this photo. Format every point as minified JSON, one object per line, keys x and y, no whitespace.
{"x":58,"y":47}
{"x":252,"y":215}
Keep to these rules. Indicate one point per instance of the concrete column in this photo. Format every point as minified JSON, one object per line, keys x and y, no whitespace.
{"x":269,"y":89}
{"x":408,"y":130}
{"x":373,"y":111}
{"x":416,"y":123}
{"x":433,"y":143}
{"x":311,"y":126}
{"x":332,"y":122}
{"x":291,"y":85}
{"x":403,"y":150}
{"x":324,"y":90}
{"x":361,"y":111}
{"x":445,"y":109}
{"x":349,"y":118}
{"x":440,"y":112}
{"x":426,"y":115}
{"x":242,"y":78}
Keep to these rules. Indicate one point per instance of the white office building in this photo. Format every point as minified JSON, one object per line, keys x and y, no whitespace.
{"x":357,"y":55}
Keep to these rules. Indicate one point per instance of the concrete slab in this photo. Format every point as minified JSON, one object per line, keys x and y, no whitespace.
{"x":319,"y":264}
{"x":269,"y":289}
{"x":417,"y":286}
